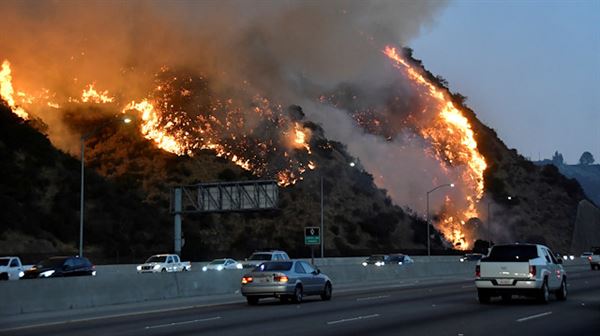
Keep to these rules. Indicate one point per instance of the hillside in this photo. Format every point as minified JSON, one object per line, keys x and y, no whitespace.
{"x":129,"y":180}
{"x":587,"y":175}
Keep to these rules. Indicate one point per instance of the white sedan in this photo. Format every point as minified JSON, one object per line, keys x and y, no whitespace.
{"x":222,"y":264}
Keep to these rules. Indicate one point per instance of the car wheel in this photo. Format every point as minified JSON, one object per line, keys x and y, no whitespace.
{"x":561,"y":293}
{"x":544,"y":295}
{"x":483,"y":296}
{"x":164,"y":270}
{"x":184,"y":269}
{"x":252,"y":300}
{"x":326,"y":296}
{"x":298,"y":294}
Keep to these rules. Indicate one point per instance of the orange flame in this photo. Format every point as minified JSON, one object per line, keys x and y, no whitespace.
{"x":7,"y":91}
{"x":90,"y":95}
{"x":453,"y":140}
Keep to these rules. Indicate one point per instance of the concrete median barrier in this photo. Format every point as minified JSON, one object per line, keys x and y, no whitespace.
{"x":119,"y":285}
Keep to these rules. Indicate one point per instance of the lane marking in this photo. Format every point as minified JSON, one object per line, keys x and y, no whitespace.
{"x":112,"y":316}
{"x":372,"y":298}
{"x":183,"y":323}
{"x":353,"y":319}
{"x":527,"y":318}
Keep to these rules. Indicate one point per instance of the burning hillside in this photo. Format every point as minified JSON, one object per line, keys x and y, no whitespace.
{"x":181,"y":115}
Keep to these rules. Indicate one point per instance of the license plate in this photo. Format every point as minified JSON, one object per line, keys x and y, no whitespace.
{"x":261,"y":280}
{"x":504,"y":281}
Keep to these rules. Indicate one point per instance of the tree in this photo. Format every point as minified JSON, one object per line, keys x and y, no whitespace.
{"x":586,"y":159}
{"x":557,"y":159}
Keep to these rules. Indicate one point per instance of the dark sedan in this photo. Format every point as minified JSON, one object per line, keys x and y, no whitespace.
{"x":61,"y":267}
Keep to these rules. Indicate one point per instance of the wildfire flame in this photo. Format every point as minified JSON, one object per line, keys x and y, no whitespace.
{"x":453,"y":141}
{"x":7,"y":91}
{"x":90,"y":95}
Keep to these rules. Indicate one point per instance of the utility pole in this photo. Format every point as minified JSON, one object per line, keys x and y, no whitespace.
{"x":322,"y":228}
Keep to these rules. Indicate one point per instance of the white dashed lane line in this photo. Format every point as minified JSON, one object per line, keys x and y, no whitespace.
{"x":365,"y":317}
{"x":173,"y":324}
{"x":527,"y":318}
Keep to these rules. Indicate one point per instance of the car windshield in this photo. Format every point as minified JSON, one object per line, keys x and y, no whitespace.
{"x":375,"y":258}
{"x":274,"y":266}
{"x":51,"y":263}
{"x":4,"y":261}
{"x":156,"y":259}
{"x":260,"y":256}
{"x":217,"y":262}
{"x":513,"y":253}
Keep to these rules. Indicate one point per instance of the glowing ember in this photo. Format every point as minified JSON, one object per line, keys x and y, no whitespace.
{"x":453,"y":141}
{"x":90,"y":95}
{"x":7,"y":92}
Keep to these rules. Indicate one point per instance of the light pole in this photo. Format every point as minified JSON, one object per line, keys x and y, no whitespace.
{"x":451,"y":185}
{"x":84,"y":137}
{"x":351,"y":164}
{"x":489,"y":215}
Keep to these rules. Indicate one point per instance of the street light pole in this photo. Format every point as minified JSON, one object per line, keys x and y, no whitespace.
{"x":84,"y":137}
{"x":427,"y":214}
{"x":81,"y":198}
{"x":322,"y":228}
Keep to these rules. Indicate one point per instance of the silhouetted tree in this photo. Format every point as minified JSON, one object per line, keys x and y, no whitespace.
{"x":557,"y":159}
{"x":586,"y":159}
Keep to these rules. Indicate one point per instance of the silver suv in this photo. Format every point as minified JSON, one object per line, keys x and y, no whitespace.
{"x":258,"y":258}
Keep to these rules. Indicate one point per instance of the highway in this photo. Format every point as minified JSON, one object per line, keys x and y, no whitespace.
{"x":436,"y":307}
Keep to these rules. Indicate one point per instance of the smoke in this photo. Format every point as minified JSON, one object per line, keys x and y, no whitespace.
{"x":289,"y":51}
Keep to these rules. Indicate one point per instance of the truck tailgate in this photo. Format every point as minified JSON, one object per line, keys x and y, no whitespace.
{"x":513,"y":270}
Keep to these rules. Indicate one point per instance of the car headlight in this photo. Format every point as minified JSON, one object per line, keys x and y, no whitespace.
{"x":462,"y":259}
{"x":572,"y":257}
{"x":379,"y":263}
{"x":204,"y":269}
{"x":93,"y":273}
{"x":46,"y":274}
{"x":156,"y":267}
{"x":139,"y":267}
{"x":565,"y":257}
{"x":239,"y":266}
{"x":399,"y":262}
{"x":219,"y":268}
{"x":21,"y":274}
{"x":364,"y":263}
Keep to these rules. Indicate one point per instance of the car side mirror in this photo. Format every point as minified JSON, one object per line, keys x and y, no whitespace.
{"x":317,"y":271}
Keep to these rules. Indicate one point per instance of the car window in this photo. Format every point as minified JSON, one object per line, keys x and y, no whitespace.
{"x":260,"y":256}
{"x":70,"y":263}
{"x":298,"y":268}
{"x":3,"y":261}
{"x":285,"y":256}
{"x":546,"y":256}
{"x":14,"y":263}
{"x":508,"y":253}
{"x":307,"y":267}
{"x":51,"y":263}
{"x":274,"y":266}
{"x":552,"y":257}
{"x":156,"y":259}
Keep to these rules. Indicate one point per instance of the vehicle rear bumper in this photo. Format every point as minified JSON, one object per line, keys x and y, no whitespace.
{"x":518,"y":286}
{"x":268,"y":290}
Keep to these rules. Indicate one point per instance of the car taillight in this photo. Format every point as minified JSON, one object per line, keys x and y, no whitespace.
{"x":246,"y":280}
{"x":590,"y":258}
{"x":478,"y":271}
{"x":281,"y":278}
{"x":532,"y":271}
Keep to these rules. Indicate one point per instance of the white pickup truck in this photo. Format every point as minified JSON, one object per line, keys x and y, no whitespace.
{"x":594,"y":258}
{"x":11,"y":268}
{"x":520,"y":269}
{"x":164,"y":263}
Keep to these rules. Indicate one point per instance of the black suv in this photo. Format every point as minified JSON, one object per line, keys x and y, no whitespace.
{"x":61,"y":267}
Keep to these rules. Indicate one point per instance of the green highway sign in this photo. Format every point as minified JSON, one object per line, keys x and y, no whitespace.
{"x":312,"y":235}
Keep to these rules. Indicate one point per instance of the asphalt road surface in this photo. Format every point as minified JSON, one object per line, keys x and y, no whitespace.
{"x":448,"y":308}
